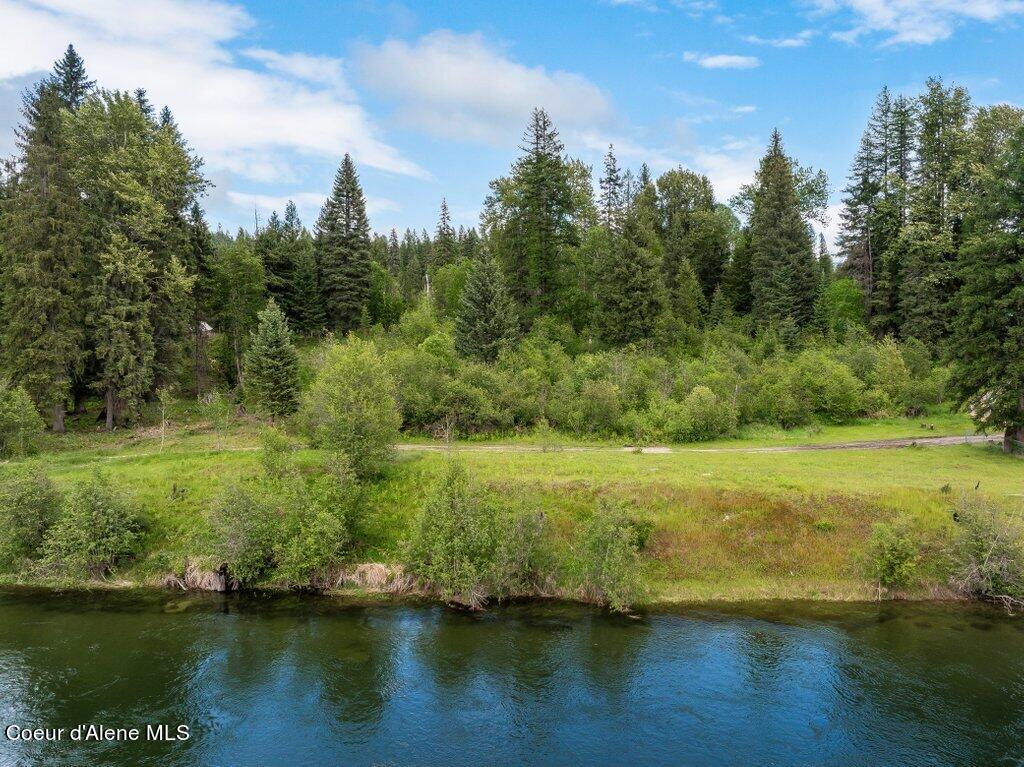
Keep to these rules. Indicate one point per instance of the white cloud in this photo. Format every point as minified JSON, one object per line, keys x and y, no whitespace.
{"x":798,"y":40}
{"x":244,"y":120}
{"x":916,"y":21}
{"x":324,"y":70}
{"x":460,"y":86}
{"x":722,"y":60}
{"x":745,"y":109}
{"x":308,"y":204}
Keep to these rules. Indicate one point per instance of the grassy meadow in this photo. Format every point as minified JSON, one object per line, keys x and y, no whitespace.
{"x":728,"y":522}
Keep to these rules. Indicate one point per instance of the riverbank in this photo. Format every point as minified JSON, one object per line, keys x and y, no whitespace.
{"x":736,"y":524}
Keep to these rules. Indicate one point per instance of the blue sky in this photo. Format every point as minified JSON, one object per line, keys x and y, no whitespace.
{"x":431,"y":97}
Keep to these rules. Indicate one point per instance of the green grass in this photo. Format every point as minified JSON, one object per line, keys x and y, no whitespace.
{"x":727,"y":525}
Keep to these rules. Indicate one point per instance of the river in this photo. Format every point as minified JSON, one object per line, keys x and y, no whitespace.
{"x":304,"y":681}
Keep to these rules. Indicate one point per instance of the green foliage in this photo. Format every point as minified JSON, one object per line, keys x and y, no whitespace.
{"x":988,"y":552}
{"x":20,"y":424}
{"x":29,"y":505}
{"x":238,"y":287}
{"x":468,"y":549}
{"x":315,"y":536}
{"x":272,"y":365}
{"x":894,"y":554}
{"x":783,"y":267}
{"x":486,"y":319}
{"x":631,"y":294}
{"x":839,"y":307}
{"x":343,"y":251}
{"x":245,"y":521}
{"x":98,"y":530}
{"x":610,"y":554}
{"x":351,"y":407}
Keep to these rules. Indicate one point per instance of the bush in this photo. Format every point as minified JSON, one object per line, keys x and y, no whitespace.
{"x":468,"y":550}
{"x":245,"y":521}
{"x":97,"y":531}
{"x":20,"y":423}
{"x":315,"y":533}
{"x":29,"y":504}
{"x":709,"y":417}
{"x":988,"y":553}
{"x":891,"y":373}
{"x":276,"y":454}
{"x":351,"y":407}
{"x":829,"y":388}
{"x":894,"y":555}
{"x":610,"y":553}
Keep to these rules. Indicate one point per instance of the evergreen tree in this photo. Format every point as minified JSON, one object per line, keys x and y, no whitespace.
{"x":719,"y":311}
{"x":825,"y":266}
{"x":486,"y":319}
{"x":784,"y":281}
{"x":738,"y":277}
{"x":272,"y":365}
{"x":631,"y":289}
{"x":445,"y":250}
{"x":306,"y":298}
{"x":610,"y":201}
{"x":239,"y":288}
{"x":119,"y":320}
{"x":531,"y":217}
{"x":688,"y":302}
{"x":342,"y":248}
{"x":69,"y":79}
{"x":988,"y":326}
{"x":930,"y":240}
{"x":394,"y":262}
{"x":41,"y":288}
{"x":693,"y":227}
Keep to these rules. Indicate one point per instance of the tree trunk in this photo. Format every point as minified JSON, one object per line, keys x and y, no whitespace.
{"x":58,"y":419}
{"x":110,"y":409}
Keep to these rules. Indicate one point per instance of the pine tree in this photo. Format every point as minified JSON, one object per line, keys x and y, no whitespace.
{"x":70,"y":80}
{"x":688,"y":302}
{"x":445,"y":247}
{"x":239,"y":292}
{"x":631,"y":292}
{"x":41,"y":265}
{"x":783,"y":267}
{"x":825,"y":266}
{"x":693,"y":227}
{"x":932,"y":236}
{"x":738,"y":277}
{"x":531,"y":217}
{"x":306,"y":300}
{"x":272,"y":365}
{"x":343,"y":251}
{"x":119,"y":321}
{"x":486,"y":319}
{"x":610,"y":201}
{"x":988,"y":326}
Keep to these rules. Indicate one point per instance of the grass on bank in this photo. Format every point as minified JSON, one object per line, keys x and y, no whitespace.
{"x":725,"y":525}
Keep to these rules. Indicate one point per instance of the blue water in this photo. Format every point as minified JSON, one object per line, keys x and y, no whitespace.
{"x":290,"y":681}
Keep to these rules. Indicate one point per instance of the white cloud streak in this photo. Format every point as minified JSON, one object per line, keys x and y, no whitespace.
{"x":460,"y":86}
{"x":722,"y":60}
{"x":919,"y":22}
{"x":798,"y":40}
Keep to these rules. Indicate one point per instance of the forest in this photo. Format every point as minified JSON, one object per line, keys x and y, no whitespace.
{"x":588,"y":303}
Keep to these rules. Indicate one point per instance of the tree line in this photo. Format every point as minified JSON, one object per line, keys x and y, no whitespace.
{"x":113,"y":285}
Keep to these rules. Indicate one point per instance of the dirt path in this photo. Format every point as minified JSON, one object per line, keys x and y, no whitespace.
{"x":878,"y":444}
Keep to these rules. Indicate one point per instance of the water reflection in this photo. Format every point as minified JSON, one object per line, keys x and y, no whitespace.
{"x":297,"y":681}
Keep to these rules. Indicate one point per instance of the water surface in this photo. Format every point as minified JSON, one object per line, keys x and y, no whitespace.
{"x":290,"y":681}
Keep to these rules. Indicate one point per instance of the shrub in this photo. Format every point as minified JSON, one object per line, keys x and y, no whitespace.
{"x":709,"y":417}
{"x":97,"y":531}
{"x":610,"y":553}
{"x":601,"y":405}
{"x":276,"y":454}
{"x":20,"y":423}
{"x":245,"y":520}
{"x":351,"y":407}
{"x":829,"y":388}
{"x":894,"y":555}
{"x":470,"y":551}
{"x":988,"y":553}
{"x":891,"y":373}
{"x":29,"y":504}
{"x":315,"y":532}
